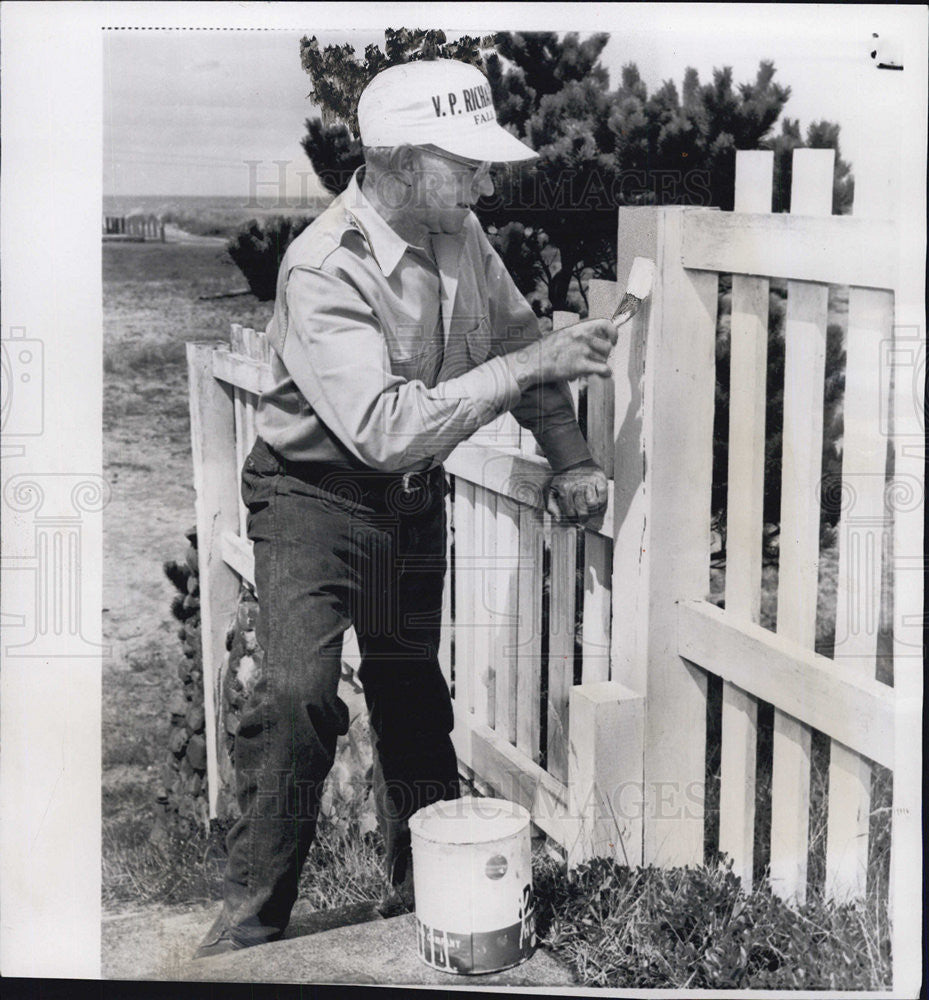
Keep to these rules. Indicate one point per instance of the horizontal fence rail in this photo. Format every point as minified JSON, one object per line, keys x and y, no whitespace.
{"x":834,"y":250}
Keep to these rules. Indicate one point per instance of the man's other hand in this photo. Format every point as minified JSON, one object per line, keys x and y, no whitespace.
{"x":577,"y":494}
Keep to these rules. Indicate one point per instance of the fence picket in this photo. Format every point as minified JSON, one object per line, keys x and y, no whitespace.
{"x":628,"y":658}
{"x":466,"y":591}
{"x":250,"y":433}
{"x":561,"y":319}
{"x":447,"y":623}
{"x":798,"y":585}
{"x":482,"y":671}
{"x":505,"y":554}
{"x":256,"y":344}
{"x":238,"y":339}
{"x":252,"y":343}
{"x":595,"y":630}
{"x":862,"y":528}
{"x":754,"y":181}
{"x":529,"y":638}
{"x":602,"y":297}
{"x":212,"y":434}
{"x":560,"y":645}
{"x":241,"y":449}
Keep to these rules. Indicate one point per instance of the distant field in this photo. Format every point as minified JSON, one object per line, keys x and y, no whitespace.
{"x":216,"y":216}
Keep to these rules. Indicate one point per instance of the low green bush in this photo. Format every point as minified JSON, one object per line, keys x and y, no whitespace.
{"x":258,"y":248}
{"x":696,"y":928}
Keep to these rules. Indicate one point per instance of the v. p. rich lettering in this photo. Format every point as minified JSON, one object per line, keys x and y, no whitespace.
{"x":473,"y":98}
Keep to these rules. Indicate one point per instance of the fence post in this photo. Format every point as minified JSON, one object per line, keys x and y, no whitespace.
{"x":212,"y":433}
{"x":605,"y":772}
{"x":664,"y":365}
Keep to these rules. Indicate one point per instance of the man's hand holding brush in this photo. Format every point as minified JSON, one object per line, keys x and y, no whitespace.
{"x":565,"y":354}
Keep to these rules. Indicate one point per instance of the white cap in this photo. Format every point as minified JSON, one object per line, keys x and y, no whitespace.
{"x":442,"y":102}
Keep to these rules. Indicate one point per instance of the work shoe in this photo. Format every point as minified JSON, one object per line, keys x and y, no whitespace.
{"x":220,"y":946}
{"x":218,"y":940}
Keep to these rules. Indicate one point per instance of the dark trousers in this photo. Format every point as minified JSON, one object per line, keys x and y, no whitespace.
{"x":331,"y":549}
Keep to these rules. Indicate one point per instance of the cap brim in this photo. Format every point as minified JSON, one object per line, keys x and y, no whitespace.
{"x":492,"y":142}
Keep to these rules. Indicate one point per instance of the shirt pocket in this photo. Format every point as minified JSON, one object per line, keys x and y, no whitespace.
{"x":477,"y":340}
{"x":407,"y":351}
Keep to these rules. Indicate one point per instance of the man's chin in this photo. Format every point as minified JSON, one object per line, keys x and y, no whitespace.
{"x":452,"y":223}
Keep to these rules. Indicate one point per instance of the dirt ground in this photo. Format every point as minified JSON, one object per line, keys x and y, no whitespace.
{"x":152,"y":306}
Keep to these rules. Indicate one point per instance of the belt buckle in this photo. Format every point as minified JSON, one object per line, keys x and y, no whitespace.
{"x":406,"y":484}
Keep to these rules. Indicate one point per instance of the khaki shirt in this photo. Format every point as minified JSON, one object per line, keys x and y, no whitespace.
{"x":383,"y":360}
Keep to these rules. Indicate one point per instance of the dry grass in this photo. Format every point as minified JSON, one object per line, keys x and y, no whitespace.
{"x":152,"y":303}
{"x":224,"y":218}
{"x":152,"y":306}
{"x":341,"y":869}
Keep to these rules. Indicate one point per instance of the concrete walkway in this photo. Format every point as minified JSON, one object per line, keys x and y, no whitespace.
{"x":376,"y":952}
{"x":349,"y":945}
{"x":157,"y":942}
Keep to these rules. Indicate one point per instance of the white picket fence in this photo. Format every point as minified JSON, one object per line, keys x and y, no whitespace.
{"x":579,"y":659}
{"x":135,"y":227}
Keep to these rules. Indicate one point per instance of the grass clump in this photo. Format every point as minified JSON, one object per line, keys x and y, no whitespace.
{"x":695,"y":928}
{"x":137,"y":871}
{"x":343,"y":867}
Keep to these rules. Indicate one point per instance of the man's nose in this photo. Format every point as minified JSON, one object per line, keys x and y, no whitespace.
{"x":481,"y":185}
{"x":484,"y":185}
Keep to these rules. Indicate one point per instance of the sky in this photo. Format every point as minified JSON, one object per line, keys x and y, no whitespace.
{"x":209,"y":113}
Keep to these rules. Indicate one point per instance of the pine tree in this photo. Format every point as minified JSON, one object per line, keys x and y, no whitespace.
{"x":554,"y":219}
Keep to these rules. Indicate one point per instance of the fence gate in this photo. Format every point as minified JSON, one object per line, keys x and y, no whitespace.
{"x":581,"y":661}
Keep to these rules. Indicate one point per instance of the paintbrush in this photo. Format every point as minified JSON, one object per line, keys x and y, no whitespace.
{"x":638,"y":288}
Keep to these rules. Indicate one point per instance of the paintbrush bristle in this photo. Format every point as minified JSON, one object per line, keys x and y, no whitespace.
{"x":641,"y":276}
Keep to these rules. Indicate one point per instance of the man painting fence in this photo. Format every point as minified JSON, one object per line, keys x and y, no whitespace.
{"x":397,"y":334}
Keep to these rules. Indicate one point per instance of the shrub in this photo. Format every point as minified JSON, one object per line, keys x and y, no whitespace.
{"x":258,"y":248}
{"x":695,"y":928}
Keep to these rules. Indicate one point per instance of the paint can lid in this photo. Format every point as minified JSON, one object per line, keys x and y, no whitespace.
{"x":469,"y":820}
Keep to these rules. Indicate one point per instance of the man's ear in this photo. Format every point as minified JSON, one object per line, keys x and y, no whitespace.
{"x":403,"y":161}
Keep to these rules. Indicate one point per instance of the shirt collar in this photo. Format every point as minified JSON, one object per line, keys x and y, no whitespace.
{"x":385,"y":244}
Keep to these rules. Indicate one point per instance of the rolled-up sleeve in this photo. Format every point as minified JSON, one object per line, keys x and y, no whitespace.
{"x":336,"y":353}
{"x":545,"y":409}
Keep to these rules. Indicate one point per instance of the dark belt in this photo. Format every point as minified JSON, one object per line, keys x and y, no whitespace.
{"x":405,"y":492}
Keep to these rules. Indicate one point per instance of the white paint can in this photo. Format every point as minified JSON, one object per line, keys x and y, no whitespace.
{"x":472,"y":874}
